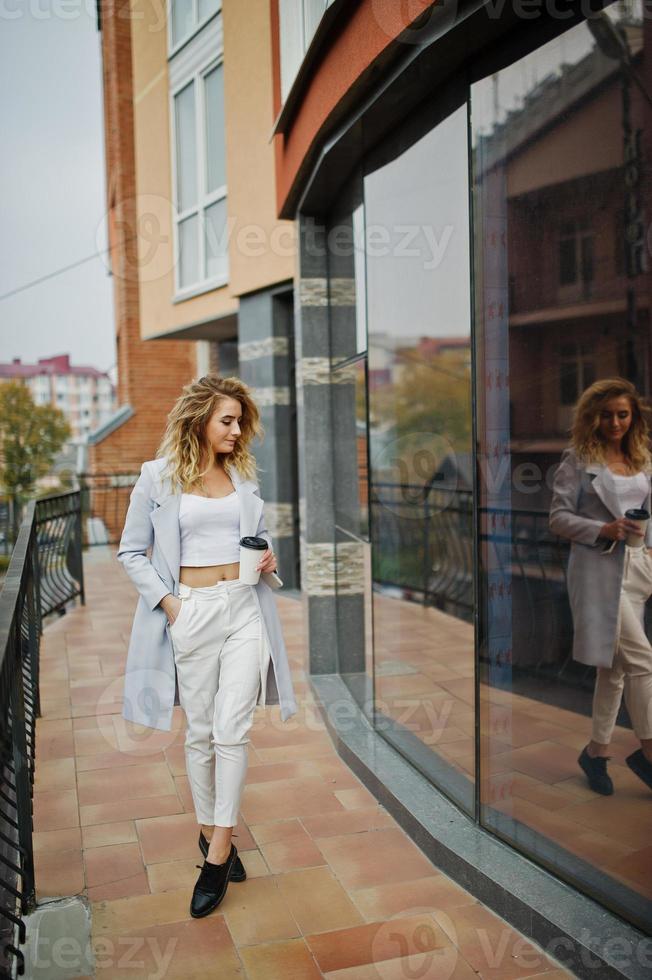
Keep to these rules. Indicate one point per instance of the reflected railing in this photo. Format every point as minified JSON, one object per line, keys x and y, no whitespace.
{"x":105,"y":501}
{"x":422,"y":541}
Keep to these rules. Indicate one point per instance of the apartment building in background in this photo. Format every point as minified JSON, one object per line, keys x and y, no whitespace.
{"x":85,"y":395}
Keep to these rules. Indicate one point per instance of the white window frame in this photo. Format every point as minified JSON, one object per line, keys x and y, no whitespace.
{"x":195,"y":29}
{"x":192,"y":64}
{"x":293,"y":44}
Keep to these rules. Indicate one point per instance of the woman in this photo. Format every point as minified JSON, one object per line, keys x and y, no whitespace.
{"x":196,"y":622}
{"x":605,"y":472}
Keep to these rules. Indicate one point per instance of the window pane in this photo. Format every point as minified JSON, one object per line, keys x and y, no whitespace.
{"x":420,"y":450}
{"x":353,"y":581}
{"x":312,"y":14}
{"x":291,"y":42}
{"x":567,"y":263}
{"x":360,"y":278}
{"x":587,"y":258}
{"x":216,"y":245}
{"x":215,"y":143}
{"x":208,"y":7}
{"x":568,"y":382}
{"x":186,"y":147}
{"x":550,"y":183}
{"x":181,"y":19}
{"x":188,"y":252}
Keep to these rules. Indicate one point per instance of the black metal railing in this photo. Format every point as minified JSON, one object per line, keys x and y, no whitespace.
{"x":58,"y":522}
{"x":6,"y":526}
{"x":105,"y":501}
{"x":45,"y":572}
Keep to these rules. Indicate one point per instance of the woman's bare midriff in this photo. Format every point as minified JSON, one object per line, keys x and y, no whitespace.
{"x":197,"y":577}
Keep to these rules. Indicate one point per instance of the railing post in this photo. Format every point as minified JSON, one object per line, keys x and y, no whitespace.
{"x":22,"y":775}
{"x":35,"y":622}
{"x":426,"y":548}
{"x":78,"y":543}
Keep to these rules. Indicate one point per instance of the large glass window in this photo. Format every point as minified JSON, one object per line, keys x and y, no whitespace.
{"x":453,"y":398}
{"x":561,"y":301}
{"x":348,"y":333}
{"x":200,"y":186}
{"x":187,"y":16}
{"x":420,"y":461}
{"x":399,"y":290}
{"x":298,"y":21}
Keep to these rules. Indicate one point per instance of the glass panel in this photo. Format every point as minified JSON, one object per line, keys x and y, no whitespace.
{"x":208,"y":7}
{"x":556,"y":139}
{"x":420,"y":451}
{"x":186,"y":147}
{"x":291,"y":42}
{"x":182,"y":19}
{"x":360,"y":279}
{"x":350,"y":448}
{"x":188,"y":252}
{"x":352,"y":548}
{"x":215,"y":132}
{"x":345,"y":238}
{"x":216,"y":245}
{"x":346,"y":286}
{"x":313,"y":11}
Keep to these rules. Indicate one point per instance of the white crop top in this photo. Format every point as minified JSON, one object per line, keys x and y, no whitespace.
{"x":631,"y":490}
{"x":209,"y":529}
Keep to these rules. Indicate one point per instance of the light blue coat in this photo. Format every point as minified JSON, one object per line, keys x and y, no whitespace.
{"x":152,"y":521}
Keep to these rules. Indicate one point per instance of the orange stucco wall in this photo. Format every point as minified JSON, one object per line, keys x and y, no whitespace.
{"x":372,"y":25}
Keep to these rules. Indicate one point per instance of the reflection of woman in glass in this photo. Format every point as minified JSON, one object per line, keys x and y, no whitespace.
{"x":603,"y":473}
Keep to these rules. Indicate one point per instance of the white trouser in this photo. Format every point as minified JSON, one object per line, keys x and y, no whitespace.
{"x":631,"y":670}
{"x":222,"y":660}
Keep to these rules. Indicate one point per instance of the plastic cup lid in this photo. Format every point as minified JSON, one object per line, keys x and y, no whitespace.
{"x":252,"y":541}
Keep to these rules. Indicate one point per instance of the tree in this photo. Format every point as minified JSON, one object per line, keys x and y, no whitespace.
{"x":30,"y":437}
{"x":428,"y":408}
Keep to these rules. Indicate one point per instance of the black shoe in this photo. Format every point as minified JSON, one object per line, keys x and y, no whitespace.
{"x":596,"y":772}
{"x":238,"y":873}
{"x":210,"y":887}
{"x":641,"y":766}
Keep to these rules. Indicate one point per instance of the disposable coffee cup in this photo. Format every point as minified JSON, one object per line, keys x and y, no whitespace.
{"x":250,"y":551}
{"x":641,"y":517}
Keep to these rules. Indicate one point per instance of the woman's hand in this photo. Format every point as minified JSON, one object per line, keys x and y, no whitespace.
{"x":171,"y":606}
{"x":618,"y":530}
{"x":267,"y":562}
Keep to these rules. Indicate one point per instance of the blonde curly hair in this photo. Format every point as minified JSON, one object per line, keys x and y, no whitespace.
{"x":586,"y":438}
{"x":184,"y":440}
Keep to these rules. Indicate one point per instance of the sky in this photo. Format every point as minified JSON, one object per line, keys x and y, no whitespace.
{"x":52,"y":180}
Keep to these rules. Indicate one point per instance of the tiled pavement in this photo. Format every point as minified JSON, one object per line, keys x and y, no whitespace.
{"x":335,"y":888}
